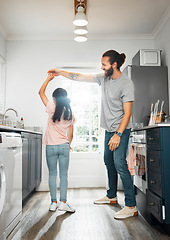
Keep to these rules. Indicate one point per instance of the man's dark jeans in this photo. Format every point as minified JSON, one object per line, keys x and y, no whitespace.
{"x":115,"y":162}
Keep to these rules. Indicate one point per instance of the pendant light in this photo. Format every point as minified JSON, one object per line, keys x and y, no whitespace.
{"x":80,"y":20}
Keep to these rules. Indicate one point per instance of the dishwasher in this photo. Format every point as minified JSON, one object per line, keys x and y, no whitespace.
{"x":2,"y":195}
{"x":11,"y":157}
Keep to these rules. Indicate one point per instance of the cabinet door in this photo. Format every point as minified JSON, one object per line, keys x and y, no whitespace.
{"x":155,"y":182}
{"x":25,"y":163}
{"x":32,"y":175}
{"x":154,"y":205}
{"x":154,"y":160}
{"x":38,"y":159}
{"x":153,"y":139}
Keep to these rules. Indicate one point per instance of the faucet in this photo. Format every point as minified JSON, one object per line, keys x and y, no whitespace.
{"x":8,"y":110}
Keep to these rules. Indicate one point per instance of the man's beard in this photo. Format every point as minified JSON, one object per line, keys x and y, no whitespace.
{"x":109,"y":72}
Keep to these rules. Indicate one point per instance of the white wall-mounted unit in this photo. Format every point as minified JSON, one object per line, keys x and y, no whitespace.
{"x":147,"y":57}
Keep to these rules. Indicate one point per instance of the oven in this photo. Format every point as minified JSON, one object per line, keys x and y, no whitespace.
{"x":138,"y":144}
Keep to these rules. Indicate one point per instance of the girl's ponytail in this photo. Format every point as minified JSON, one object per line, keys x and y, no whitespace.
{"x":68,"y":111}
{"x":62,"y":105}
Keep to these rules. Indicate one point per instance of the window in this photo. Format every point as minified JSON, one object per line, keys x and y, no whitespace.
{"x":85,"y":103}
{"x":2,"y":84}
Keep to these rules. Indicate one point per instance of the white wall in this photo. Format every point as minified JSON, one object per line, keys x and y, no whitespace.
{"x":162,"y":41}
{"x":2,"y":46}
{"x":27,"y":64}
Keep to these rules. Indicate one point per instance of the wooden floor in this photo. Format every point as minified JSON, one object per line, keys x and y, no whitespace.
{"x":89,"y":222}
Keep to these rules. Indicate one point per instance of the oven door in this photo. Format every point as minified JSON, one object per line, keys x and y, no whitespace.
{"x":140,"y":177}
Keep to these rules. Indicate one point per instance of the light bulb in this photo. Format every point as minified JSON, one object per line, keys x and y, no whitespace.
{"x":80,"y":30}
{"x":80,"y":38}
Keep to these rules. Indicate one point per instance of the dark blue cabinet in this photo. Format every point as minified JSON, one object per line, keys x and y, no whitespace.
{"x":31,"y":162}
{"x":158,"y":163}
{"x":25,"y":163}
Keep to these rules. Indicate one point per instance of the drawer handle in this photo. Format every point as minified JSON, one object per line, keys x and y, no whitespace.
{"x":152,"y":160}
{"x":152,"y":182}
{"x":151,"y":204}
{"x":151,"y":138}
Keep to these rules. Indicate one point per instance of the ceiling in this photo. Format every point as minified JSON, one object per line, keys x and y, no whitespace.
{"x":108,"y":19}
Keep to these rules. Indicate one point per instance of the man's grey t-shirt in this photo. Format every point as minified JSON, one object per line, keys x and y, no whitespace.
{"x":114,"y":94}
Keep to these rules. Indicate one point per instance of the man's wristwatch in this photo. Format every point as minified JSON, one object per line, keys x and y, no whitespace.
{"x":118,"y":133}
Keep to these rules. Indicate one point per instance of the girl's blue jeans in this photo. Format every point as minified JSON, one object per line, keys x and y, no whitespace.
{"x":115,"y":162}
{"x":60,"y":154}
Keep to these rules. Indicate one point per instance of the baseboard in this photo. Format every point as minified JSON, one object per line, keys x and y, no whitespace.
{"x":43,"y":187}
{"x":76,"y":182}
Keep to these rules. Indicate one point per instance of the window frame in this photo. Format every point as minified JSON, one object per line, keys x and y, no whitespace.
{"x":86,"y":70}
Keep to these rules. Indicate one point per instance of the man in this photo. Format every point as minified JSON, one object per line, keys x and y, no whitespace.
{"x":116,"y":110}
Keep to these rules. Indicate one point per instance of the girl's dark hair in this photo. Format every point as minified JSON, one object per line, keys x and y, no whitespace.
{"x":115,"y":57}
{"x":62,"y":105}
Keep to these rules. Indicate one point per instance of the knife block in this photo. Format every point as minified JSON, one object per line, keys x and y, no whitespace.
{"x":159,"y":118}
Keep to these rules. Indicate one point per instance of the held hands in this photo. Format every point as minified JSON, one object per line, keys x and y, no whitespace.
{"x":54,"y":72}
{"x":114,"y":142}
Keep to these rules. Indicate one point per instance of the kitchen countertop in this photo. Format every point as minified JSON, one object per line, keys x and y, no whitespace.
{"x":6,"y":128}
{"x":162,"y":124}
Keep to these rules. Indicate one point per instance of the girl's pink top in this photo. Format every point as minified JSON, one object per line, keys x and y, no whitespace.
{"x":55,"y":133}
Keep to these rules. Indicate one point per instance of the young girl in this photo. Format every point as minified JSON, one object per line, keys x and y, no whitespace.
{"x":60,"y":121}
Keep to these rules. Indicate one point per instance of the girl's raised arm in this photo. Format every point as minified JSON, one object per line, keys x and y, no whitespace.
{"x":43,"y":88}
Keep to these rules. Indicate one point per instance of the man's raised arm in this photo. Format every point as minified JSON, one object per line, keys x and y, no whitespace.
{"x":71,"y":75}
